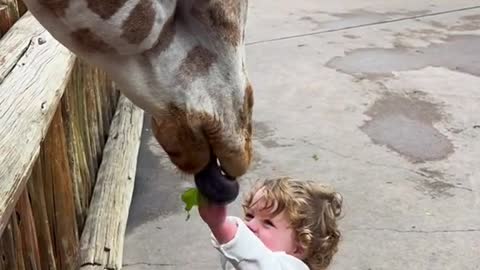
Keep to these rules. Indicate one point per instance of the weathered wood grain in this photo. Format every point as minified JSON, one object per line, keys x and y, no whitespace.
{"x":26,"y":225}
{"x":50,"y":152}
{"x":58,"y":189}
{"x":7,"y":244}
{"x":29,"y":96}
{"x":86,"y":88}
{"x":103,"y":235}
{"x":16,"y":42}
{"x":17,"y":242}
{"x":22,"y":9}
{"x":76,"y":150}
{"x":37,"y":196}
{"x":9,"y":14}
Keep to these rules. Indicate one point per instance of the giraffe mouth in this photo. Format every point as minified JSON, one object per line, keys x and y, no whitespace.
{"x":192,"y":151}
{"x":215,"y":184}
{"x":223,"y":172}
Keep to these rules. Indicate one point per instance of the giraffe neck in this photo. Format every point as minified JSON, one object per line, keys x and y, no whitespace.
{"x":108,"y":26}
{"x":159,"y":51}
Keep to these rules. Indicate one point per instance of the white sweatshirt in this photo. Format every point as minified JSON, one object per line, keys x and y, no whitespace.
{"x":246,"y":252}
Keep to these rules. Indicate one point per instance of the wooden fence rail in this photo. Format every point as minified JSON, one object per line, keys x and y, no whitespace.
{"x":55,"y":116}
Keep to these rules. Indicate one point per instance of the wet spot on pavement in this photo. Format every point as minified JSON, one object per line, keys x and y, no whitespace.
{"x":406,"y":126}
{"x":434,"y":183}
{"x":265,"y":135}
{"x":460,"y":53}
{"x":431,"y":173}
{"x":465,"y":23}
{"x":270,"y":143}
{"x":262,"y":130}
{"x":350,"y":36}
{"x":436,"y":188}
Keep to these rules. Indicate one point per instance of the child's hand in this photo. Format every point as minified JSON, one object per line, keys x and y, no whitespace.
{"x":212,"y":214}
{"x":216,"y":218}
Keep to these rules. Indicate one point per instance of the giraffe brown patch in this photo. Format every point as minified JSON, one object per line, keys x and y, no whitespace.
{"x":248,"y":106}
{"x":165,"y":38}
{"x":105,"y":8}
{"x":56,"y":6}
{"x":246,"y":122}
{"x":89,"y":41}
{"x":223,"y":16}
{"x":140,"y":22}
{"x":197,"y":63}
{"x":249,"y":96}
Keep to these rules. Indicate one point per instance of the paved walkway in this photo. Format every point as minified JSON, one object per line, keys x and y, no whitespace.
{"x":379,"y":98}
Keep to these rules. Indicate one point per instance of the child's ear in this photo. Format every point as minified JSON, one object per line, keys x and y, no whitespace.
{"x":299,"y":252}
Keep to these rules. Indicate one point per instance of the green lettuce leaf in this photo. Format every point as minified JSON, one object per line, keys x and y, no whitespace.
{"x":190,"y":198}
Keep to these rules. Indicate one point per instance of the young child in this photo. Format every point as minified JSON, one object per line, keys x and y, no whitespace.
{"x":289,"y":224}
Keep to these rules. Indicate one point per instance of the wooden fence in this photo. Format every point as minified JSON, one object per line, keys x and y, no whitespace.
{"x":55,"y":116}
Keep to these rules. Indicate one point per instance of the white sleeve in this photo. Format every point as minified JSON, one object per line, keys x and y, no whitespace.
{"x":246,"y":252}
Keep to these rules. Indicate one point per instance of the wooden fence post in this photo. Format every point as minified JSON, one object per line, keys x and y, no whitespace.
{"x":59,"y":195}
{"x":9,"y":14}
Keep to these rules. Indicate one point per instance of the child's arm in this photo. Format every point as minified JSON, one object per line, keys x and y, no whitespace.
{"x":240,"y":246}
{"x":216,"y":218}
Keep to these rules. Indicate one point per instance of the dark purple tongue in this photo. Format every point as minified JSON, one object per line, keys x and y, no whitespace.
{"x":215,"y":186}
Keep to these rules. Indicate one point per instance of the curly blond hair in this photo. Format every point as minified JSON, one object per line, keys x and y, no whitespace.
{"x":312,"y":209}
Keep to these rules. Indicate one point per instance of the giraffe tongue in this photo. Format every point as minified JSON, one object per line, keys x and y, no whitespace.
{"x":215,"y":185}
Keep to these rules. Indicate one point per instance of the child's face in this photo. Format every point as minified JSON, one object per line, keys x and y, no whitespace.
{"x":275,"y":232}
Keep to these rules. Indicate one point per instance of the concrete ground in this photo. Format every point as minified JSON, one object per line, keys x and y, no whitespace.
{"x":378,"y":98}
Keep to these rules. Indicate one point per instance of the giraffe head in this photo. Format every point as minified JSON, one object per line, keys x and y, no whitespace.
{"x":182,"y":61}
{"x":193,"y":134}
{"x":208,"y":110}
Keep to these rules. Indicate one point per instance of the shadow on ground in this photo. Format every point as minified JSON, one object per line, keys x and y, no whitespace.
{"x":157,"y":187}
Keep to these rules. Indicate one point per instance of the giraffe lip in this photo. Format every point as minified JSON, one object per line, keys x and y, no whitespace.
{"x":223,"y":171}
{"x":215,"y":184}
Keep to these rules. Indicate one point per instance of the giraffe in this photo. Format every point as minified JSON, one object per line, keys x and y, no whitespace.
{"x":182,"y":61}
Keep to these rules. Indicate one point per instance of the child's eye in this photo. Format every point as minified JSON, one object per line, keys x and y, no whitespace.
{"x":249,"y":216}
{"x":269,"y":223}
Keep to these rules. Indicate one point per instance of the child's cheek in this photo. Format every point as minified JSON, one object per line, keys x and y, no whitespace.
{"x":269,"y":241}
